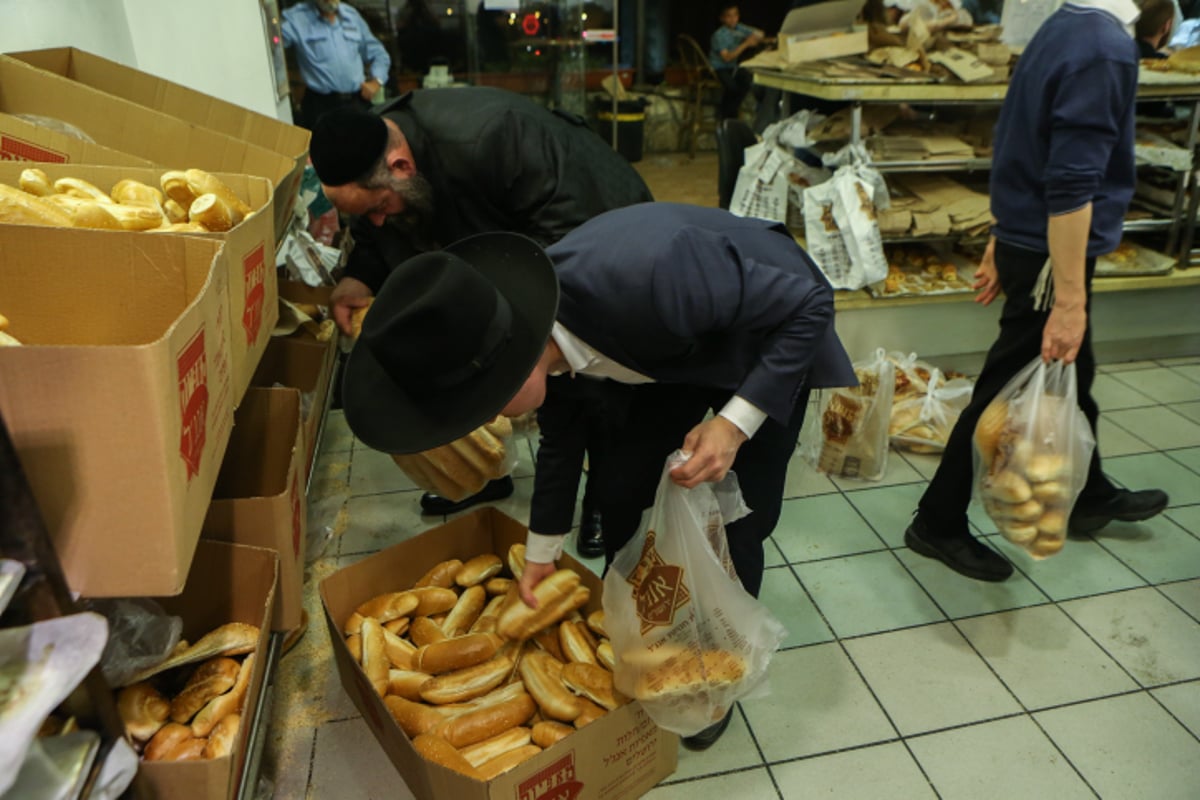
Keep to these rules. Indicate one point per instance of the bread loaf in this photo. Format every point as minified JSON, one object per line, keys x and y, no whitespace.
{"x":468,"y":683}
{"x":229,"y":703}
{"x":497,"y":745}
{"x":35,"y":182}
{"x":503,"y":763}
{"x":19,"y":208}
{"x":440,"y":752}
{"x":548,"y":640}
{"x":606,"y":656}
{"x":201,"y":183}
{"x":433,"y":600}
{"x":137,"y":217}
{"x":549,"y":733}
{"x":468,"y":608}
{"x":685,"y":673}
{"x":133,"y":192}
{"x":167,"y":739}
{"x":498,"y":586}
{"x":441,"y":575}
{"x":389,"y":606}
{"x":593,"y":682}
{"x":595,"y":622}
{"x":575,"y":643}
{"x":516,"y":560}
{"x":77,"y":187}
{"x":400,"y":653}
{"x":354,"y":645}
{"x":375,"y":661}
{"x":485,"y":722}
{"x":519,"y":621}
{"x":213,"y":213}
{"x":479,"y":569}
{"x":590,"y":713}
{"x":458,"y":653}
{"x":211,"y":679}
{"x":413,"y":718}
{"x":397,"y":627}
{"x":406,"y":683}
{"x":175,"y":186}
{"x":542,"y":674}
{"x":143,"y":710}
{"x":224,"y":734}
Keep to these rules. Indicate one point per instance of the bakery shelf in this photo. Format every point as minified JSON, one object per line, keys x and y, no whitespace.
{"x":1147,"y":225}
{"x":934,"y":165}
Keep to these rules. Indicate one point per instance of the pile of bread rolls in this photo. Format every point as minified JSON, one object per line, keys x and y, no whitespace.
{"x":190,"y":201}
{"x":462,"y":468}
{"x":191,"y":710}
{"x":1026,"y":488}
{"x":479,"y":681}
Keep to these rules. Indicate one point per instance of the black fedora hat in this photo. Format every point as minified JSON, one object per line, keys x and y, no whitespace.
{"x":449,"y":340}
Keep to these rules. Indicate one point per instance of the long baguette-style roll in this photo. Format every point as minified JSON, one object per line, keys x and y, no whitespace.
{"x":439,"y":751}
{"x":575,"y":645}
{"x":547,"y":639}
{"x":375,"y":661}
{"x":516,"y":560}
{"x":457,"y":653}
{"x":503,"y":763}
{"x":459,"y":470}
{"x":441,"y":575}
{"x":19,"y":208}
{"x":143,"y":710}
{"x":591,"y":712}
{"x":412,"y":717}
{"x":519,"y":621}
{"x":548,"y":733}
{"x":432,"y":600}
{"x":406,"y":683}
{"x":595,"y":623}
{"x":400,"y":653}
{"x":201,"y":182}
{"x":179,"y":227}
{"x":488,"y":721}
{"x":175,"y":186}
{"x":167,"y":739}
{"x":390,"y":606}
{"x":353,"y":624}
{"x":1051,"y":493}
{"x":497,"y":745}
{"x":136,"y":193}
{"x":77,"y":187}
{"x":492,"y":609}
{"x":211,"y":679}
{"x":224,"y":734}
{"x":228,"y":703}
{"x":424,"y":631}
{"x":354,"y":645}
{"x":88,"y":213}
{"x":498,"y":586}
{"x":465,"y":684}
{"x":683,"y":673}
{"x":606,"y":656}
{"x":176,"y":214}
{"x":542,"y":675}
{"x":397,"y":626}
{"x":35,"y":182}
{"x":593,"y":682}
{"x":466,"y":610}
{"x":213,"y":213}
{"x":137,"y":217}
{"x":479,"y":569}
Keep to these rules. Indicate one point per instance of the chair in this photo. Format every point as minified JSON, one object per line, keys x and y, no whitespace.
{"x":702,"y":83}
{"x":733,"y":137}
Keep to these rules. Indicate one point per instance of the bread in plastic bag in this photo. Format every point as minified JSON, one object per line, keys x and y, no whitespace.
{"x":462,"y":468}
{"x":848,"y":436}
{"x":1033,"y":447}
{"x":921,"y":423}
{"x":689,"y":641}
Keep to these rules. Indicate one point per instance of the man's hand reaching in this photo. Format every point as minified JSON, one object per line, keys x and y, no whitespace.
{"x":713,"y":445}
{"x":349,"y":294}
{"x":534,"y":574}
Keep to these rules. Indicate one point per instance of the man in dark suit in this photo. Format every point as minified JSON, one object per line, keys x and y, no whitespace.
{"x":679,"y":309}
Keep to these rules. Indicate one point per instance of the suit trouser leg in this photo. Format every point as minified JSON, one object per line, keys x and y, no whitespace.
{"x":944,"y":504}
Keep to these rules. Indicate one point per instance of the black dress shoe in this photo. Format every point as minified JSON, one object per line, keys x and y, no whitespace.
{"x":964,"y":554}
{"x":495,"y":490}
{"x":1125,"y":506}
{"x":708,"y":737}
{"x":591,"y":536}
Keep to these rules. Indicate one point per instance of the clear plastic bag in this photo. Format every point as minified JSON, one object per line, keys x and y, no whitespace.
{"x":1033,"y":446}
{"x":140,"y":635}
{"x":462,"y":468}
{"x":848,"y":437}
{"x":688,"y":639}
{"x":922,"y":423}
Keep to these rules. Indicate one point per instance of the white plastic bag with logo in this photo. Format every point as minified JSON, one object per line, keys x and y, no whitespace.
{"x":689,"y":641}
{"x":842,"y":230}
{"x":848,"y":437}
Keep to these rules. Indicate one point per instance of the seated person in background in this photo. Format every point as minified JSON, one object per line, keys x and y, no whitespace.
{"x":1154,"y":27}
{"x":729,"y":43}
{"x":984,"y":12}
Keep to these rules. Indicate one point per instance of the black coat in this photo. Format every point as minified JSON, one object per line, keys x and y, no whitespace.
{"x":497,"y":161}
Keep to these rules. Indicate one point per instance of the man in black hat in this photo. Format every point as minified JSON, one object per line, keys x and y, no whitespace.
{"x":686,"y":308}
{"x":438,"y":165}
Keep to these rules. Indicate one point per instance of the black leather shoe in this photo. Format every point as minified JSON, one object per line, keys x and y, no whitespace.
{"x":1125,"y":506}
{"x":591,"y":536}
{"x":964,"y":554}
{"x":708,"y":737}
{"x":495,"y":490}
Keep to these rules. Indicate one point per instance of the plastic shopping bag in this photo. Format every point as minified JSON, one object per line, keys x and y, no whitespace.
{"x":841,"y":228}
{"x":1032,"y":450}
{"x":689,"y":641}
{"x":849,"y":434}
{"x":922,"y":422}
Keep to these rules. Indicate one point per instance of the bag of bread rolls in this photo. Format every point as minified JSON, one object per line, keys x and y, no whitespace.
{"x":849,"y":435}
{"x":922,"y":423}
{"x":687,"y":639}
{"x":1033,"y":446}
{"x":462,"y":468}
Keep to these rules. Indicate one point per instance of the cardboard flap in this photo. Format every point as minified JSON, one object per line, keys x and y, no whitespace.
{"x":261,"y":449}
{"x":820,"y":18}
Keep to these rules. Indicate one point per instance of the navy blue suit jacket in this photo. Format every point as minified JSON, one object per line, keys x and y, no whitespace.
{"x":684,"y":294}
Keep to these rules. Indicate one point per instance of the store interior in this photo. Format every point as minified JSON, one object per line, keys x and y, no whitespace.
{"x":188,"y":404}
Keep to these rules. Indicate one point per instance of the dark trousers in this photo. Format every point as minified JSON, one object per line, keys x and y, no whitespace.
{"x":658,"y":418}
{"x":737,"y":84}
{"x":315,"y":105}
{"x":944,"y":504}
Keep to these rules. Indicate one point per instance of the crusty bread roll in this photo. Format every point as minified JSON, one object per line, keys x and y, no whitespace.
{"x":224,"y":734}
{"x":519,"y":621}
{"x":606,"y":656}
{"x":167,"y":739}
{"x":1051,"y":493}
{"x":503,"y":763}
{"x":406,"y":683}
{"x":1046,"y":546}
{"x":548,"y":733}
{"x":179,"y":227}
{"x":35,"y":182}
{"x":354,"y":645}
{"x":397,"y":626}
{"x":230,"y":639}
{"x":591,"y":712}
{"x":516,"y":560}
{"x":87,"y":213}
{"x":433,"y":600}
{"x":175,"y":212}
{"x":20,"y":208}
{"x":137,"y":217}
{"x":498,"y":586}
{"x":440,"y":752}
{"x":400,"y":653}
{"x":77,"y":187}
{"x":1046,"y":467}
{"x":1052,"y":523}
{"x":501,"y":427}
{"x":1017,"y":532}
{"x":201,"y":182}
{"x":468,"y":683}
{"x":213,"y":213}
{"x":468,"y":608}
{"x":389,"y":606}
{"x":992,"y":423}
{"x":479,"y":569}
{"x":424,"y":631}
{"x":229,"y":703}
{"x":542,"y":675}
{"x":375,"y":661}
{"x":548,"y":640}
{"x":413,"y":718}
{"x":357,"y":316}
{"x":211,"y":679}
{"x":175,"y":186}
{"x":1007,"y":487}
{"x":143,"y":710}
{"x":685,"y":673}
{"x":595,"y":622}
{"x":133,"y":192}
{"x":441,"y":575}
{"x":593,"y":682}
{"x":487,"y":721}
{"x":458,"y":653}
{"x":575,"y":643}
{"x":497,"y":745}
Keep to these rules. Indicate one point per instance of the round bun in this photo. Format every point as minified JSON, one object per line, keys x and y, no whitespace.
{"x":991,"y":425}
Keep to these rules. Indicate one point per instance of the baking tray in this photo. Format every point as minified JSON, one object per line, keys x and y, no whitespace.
{"x":1133,"y":259}
{"x":918,"y":284}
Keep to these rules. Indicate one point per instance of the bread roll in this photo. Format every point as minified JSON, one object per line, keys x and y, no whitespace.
{"x":549,"y":733}
{"x":1051,"y":493}
{"x":458,"y":653}
{"x":389,"y":606}
{"x":501,"y":427}
{"x":516,"y":560}
{"x":167,"y":739}
{"x":213,"y":213}
{"x":486,"y":622}
{"x":1017,"y":532}
{"x":992,"y":423}
{"x":498,"y":586}
{"x":201,"y":182}
{"x":176,"y":213}
{"x":1028,"y":511}
{"x":684,"y":673}
{"x":441,"y":575}
{"x":19,"y":208}
{"x":8,"y":340}
{"x":593,"y":682}
{"x":503,"y":763}
{"x":133,"y":192}
{"x":35,"y":182}
{"x":450,"y":463}
{"x":519,"y":621}
{"x":179,"y":227}
{"x":400,"y":653}
{"x":1046,"y":546}
{"x":498,"y":745}
{"x":468,"y":608}
{"x":488,"y":721}
{"x":357,"y":317}
{"x":224,"y":734}
{"x":397,"y":627}
{"x":143,"y":710}
{"x":175,"y":186}
{"x":1007,"y":487}
{"x":575,"y":644}
{"x":542,"y":674}
{"x":548,"y":640}
{"x":1053,"y":523}
{"x":211,"y":679}
{"x":606,"y":656}
{"x":424,"y":631}
{"x":1046,"y":467}
{"x":229,"y":703}
{"x":440,"y":752}
{"x":77,"y":187}
{"x":406,"y":683}
{"x":595,"y":622}
{"x":591,"y":712}
{"x":375,"y":661}
{"x":413,"y":718}
{"x":353,"y":624}
{"x":354,"y":645}
{"x":432,"y":600}
{"x":137,"y":217}
{"x":479,"y":569}
{"x":93,"y":215}
{"x":465,"y":684}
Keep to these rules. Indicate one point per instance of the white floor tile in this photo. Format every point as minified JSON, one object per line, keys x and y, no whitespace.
{"x":867,"y":594}
{"x":1186,"y":595}
{"x":349,"y":764}
{"x":752,"y":785}
{"x":1159,"y":426}
{"x":783,"y":594}
{"x":898,"y":471}
{"x":824,"y":526}
{"x":1161,"y":385}
{"x":1183,"y":701}
{"x":734,"y":751}
{"x":886,"y":770}
{"x":373,"y":472}
{"x":1111,"y":393}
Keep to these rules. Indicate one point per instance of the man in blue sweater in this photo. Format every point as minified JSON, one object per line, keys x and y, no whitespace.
{"x":1062,"y":177}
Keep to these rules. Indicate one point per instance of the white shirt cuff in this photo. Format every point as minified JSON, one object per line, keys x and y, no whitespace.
{"x":542,"y":549}
{"x":744,"y":414}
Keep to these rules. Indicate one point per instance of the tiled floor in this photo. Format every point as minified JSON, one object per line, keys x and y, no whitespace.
{"x":1078,"y":677}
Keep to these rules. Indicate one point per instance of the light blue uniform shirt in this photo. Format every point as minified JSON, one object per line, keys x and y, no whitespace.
{"x":331,"y":55}
{"x":726,"y":38}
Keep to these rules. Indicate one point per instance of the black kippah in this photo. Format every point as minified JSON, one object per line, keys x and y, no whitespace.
{"x":346,"y":143}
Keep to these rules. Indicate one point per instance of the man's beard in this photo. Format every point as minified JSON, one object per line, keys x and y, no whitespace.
{"x":417,"y":217}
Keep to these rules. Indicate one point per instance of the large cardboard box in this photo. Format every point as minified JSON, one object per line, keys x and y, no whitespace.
{"x":621,"y":755}
{"x":821,"y":31}
{"x":120,"y":403}
{"x":253,"y":287}
{"x":143,"y":132}
{"x":259,"y":496}
{"x":228,"y":583}
{"x":21,"y":140}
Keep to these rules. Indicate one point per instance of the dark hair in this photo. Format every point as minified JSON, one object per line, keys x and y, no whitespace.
{"x":1155,"y":13}
{"x":721,"y":9}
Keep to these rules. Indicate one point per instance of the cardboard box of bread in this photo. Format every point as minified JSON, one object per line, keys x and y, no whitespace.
{"x":119,"y":398}
{"x":188,"y":105}
{"x":21,"y":140}
{"x":236,"y":208}
{"x":259,"y":497}
{"x":126,"y":126}
{"x":474,"y":695}
{"x":190,"y":716}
